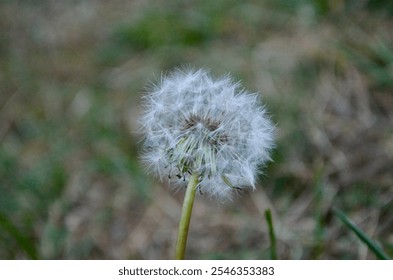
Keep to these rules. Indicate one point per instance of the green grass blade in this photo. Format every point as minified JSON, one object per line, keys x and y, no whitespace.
{"x":272,"y":236}
{"x":24,"y":243}
{"x":371,"y":244}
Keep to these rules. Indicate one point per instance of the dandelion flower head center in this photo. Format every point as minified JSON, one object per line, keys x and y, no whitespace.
{"x":198,"y":145}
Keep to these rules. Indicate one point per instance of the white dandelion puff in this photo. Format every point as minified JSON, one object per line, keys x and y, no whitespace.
{"x":194,"y":124}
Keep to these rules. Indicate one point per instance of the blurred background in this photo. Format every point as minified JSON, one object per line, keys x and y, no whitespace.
{"x":72,"y":74}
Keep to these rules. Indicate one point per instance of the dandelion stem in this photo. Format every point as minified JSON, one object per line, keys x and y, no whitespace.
{"x":186,"y":217}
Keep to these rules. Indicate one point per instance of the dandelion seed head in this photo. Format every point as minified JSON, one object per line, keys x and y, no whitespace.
{"x":195,"y":124}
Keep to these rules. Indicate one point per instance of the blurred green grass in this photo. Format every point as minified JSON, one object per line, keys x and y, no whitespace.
{"x":71,"y":79}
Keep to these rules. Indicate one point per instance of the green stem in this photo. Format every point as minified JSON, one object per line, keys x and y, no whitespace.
{"x":186,"y":217}
{"x":272,"y":236}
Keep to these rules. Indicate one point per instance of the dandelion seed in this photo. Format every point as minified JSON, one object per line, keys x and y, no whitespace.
{"x":195,"y":124}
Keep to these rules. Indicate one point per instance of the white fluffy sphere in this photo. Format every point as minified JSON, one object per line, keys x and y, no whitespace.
{"x":212,"y":127}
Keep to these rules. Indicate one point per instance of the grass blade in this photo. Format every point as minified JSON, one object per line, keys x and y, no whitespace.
{"x":272,"y":236}
{"x":22,"y":241}
{"x":371,"y":244}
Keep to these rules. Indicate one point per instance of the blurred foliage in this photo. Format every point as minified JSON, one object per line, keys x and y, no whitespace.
{"x":71,"y":77}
